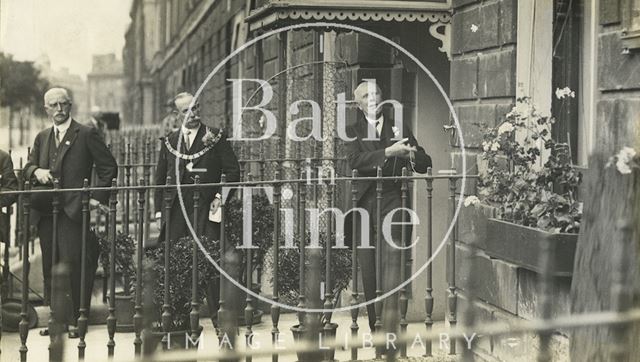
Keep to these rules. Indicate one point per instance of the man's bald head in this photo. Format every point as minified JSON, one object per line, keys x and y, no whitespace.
{"x":57,"y":103}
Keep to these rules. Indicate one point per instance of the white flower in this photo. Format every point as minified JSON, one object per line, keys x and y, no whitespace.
{"x":625,"y":156}
{"x":623,"y":160}
{"x":471,"y":200}
{"x":565,"y":92}
{"x":506,"y":127}
{"x":520,"y":109}
{"x":396,"y":131}
{"x":495,"y":146}
{"x":623,"y":168}
{"x":474,"y":28}
{"x":486,"y":146}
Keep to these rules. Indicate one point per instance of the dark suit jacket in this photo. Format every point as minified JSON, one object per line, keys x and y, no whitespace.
{"x":218,"y":160}
{"x":79,"y":150}
{"x":367,"y":155}
{"x":9,"y":181}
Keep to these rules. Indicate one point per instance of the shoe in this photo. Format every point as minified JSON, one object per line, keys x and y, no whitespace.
{"x":73,"y":332}
{"x":45,"y":332}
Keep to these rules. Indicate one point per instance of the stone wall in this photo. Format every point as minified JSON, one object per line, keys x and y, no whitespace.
{"x":503,"y":292}
{"x":483,"y":70}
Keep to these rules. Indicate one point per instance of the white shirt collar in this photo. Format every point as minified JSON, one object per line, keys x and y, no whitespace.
{"x":374,"y":121}
{"x":193,"y":131}
{"x":63,"y":127}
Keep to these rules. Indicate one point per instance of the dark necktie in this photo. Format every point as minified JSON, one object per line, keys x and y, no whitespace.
{"x":57,"y":138}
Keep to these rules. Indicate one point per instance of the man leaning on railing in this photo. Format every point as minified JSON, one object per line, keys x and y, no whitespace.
{"x":66,"y":152}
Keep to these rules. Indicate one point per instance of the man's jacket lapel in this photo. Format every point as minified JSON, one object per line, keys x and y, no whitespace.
{"x":363,"y":133}
{"x":44,"y":151}
{"x":66,"y":143}
{"x":173,"y":141}
{"x":198,"y":145}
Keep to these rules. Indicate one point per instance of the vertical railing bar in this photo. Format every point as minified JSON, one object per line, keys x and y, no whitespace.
{"x":544,"y":353}
{"x":472,"y":280}
{"x":19,"y":211}
{"x":222,"y":311}
{"x":166,"y":306}
{"x":137,"y":317}
{"x":248,"y":310}
{"x":275,"y":309}
{"x":195,"y":312}
{"x":125,"y":221}
{"x":428,"y":298}
{"x":329,"y":296}
{"x":354,"y":264}
{"x":133,"y":159}
{"x":54,"y":333}
{"x":56,"y":349}
{"x":302,"y":197}
{"x":378,"y":258}
{"x":404,"y":302}
{"x":242,"y":161}
{"x":262,"y":161}
{"x":82,"y":320}
{"x":111,"y":319}
{"x":147,"y":181}
{"x":451,"y":264}
{"x":24,"y":322}
{"x":622,"y":295}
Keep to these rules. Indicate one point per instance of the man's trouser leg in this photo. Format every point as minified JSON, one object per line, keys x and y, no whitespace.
{"x":45,"y":234}
{"x":70,"y":252}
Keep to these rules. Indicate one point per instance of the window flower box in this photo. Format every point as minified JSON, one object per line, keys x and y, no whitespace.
{"x":521,"y":245}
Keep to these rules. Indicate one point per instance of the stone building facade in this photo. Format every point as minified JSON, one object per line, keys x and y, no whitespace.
{"x":483,"y":54}
{"x":105,"y":84}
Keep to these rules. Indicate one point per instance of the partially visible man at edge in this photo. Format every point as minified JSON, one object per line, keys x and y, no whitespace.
{"x":8,"y":182}
{"x":67,"y":151}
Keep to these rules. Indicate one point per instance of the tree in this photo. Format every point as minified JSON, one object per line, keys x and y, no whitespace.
{"x":20,"y":86}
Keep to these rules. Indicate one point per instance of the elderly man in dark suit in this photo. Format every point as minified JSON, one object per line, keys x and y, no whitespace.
{"x":67,"y":151}
{"x":202,"y":151}
{"x":380,"y":141}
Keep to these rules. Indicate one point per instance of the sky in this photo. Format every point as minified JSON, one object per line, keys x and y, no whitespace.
{"x":69,"y":32}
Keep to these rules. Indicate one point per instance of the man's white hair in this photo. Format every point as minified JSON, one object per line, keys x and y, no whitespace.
{"x":182,"y":95}
{"x":364,"y":86}
{"x":56,"y":90}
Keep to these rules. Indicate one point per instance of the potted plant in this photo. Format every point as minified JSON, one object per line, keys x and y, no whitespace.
{"x":289,"y":288}
{"x":180,"y":281}
{"x":530,"y":180}
{"x":262,"y":237}
{"x":125,"y":251}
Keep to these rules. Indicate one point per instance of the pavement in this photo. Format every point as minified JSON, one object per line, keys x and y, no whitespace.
{"x":97,"y":338}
